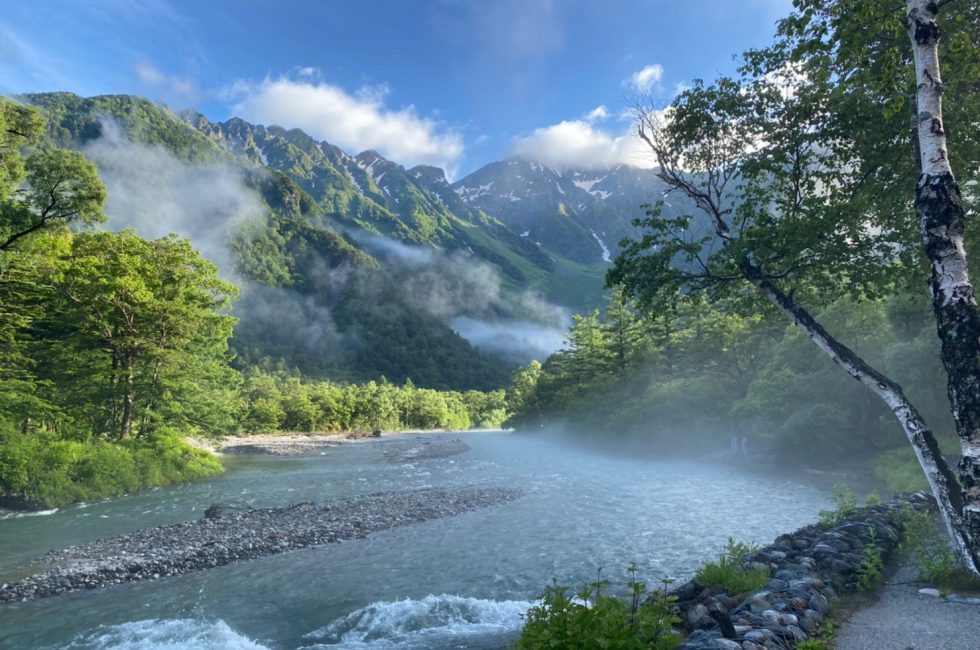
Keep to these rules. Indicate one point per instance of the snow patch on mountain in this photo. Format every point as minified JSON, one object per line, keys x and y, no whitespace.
{"x":606,"y":257}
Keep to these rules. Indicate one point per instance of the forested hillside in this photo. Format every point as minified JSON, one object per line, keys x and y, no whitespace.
{"x":115,"y":347}
{"x":312,"y":298}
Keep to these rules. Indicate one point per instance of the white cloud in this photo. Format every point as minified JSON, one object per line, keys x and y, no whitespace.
{"x":643,"y":80}
{"x":355,"y":122}
{"x":175,"y":89}
{"x":597,"y":114}
{"x":577,"y":143}
{"x":308,"y":71}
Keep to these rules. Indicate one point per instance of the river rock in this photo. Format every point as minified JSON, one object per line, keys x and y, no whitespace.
{"x":808,"y":567}
{"x":234,"y":534}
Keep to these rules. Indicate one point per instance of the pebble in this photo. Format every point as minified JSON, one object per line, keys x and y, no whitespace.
{"x":930,"y":592}
{"x":231,"y":535}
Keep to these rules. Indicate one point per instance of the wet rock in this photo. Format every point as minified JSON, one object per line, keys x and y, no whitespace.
{"x":759,"y":605}
{"x":963,"y":600}
{"x":696,"y":613}
{"x":811,"y":620}
{"x":930,"y":592}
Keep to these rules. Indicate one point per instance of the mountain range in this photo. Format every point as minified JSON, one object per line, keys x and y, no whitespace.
{"x":353,"y":266}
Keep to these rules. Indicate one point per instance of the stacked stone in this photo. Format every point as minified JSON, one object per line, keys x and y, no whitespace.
{"x":808,"y":568}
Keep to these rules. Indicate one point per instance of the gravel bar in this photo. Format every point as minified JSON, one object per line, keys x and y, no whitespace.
{"x":409,"y":451}
{"x":227,"y":535}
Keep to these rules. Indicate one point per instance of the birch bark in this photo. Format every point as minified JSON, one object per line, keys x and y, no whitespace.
{"x":942,"y":221}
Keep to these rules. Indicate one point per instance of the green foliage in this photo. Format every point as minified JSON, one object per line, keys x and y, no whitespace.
{"x":55,"y":471}
{"x":730,"y":572}
{"x":699,"y":373}
{"x":899,"y":471}
{"x":41,"y":189}
{"x":594,"y":620}
{"x":280,"y":402}
{"x":930,"y":551}
{"x":872,"y":565}
{"x":845,"y":505}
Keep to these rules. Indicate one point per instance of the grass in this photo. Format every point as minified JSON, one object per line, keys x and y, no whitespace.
{"x":53,"y":472}
{"x":730,"y":573}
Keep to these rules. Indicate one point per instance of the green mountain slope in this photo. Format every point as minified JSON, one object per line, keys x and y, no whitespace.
{"x":312,"y":298}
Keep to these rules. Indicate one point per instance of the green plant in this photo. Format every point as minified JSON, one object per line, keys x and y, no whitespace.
{"x":872,"y":565}
{"x":821,"y":638}
{"x":730,"y":573}
{"x":872,"y":499}
{"x":813,"y":644}
{"x":593,"y":620}
{"x":930,"y":552}
{"x":846,"y":503}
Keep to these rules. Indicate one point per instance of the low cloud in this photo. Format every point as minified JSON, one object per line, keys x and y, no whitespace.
{"x":515,"y":339}
{"x":580,"y":144}
{"x":392,"y":249}
{"x":355,"y":122}
{"x":644,"y":79}
{"x":156,"y":194}
{"x":469,"y":295}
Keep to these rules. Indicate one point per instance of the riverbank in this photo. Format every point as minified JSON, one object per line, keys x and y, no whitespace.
{"x":229,"y":534}
{"x":298,"y":444}
{"x":809,"y":568}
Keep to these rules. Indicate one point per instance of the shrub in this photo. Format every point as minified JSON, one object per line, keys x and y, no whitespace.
{"x":730,"y":573}
{"x":56,"y":472}
{"x":593,"y":620}
{"x":872,"y":566}
{"x":846,"y":503}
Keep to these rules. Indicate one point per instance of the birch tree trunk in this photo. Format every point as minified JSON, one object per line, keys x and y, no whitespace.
{"x":945,"y":488}
{"x":942,"y":221}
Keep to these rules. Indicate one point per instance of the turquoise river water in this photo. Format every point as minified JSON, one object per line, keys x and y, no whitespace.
{"x":452,"y":583}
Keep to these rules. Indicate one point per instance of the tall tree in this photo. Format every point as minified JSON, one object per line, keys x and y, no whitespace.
{"x":942,"y":224}
{"x":768,"y":181}
{"x":146,"y":338}
{"x":46,"y":187}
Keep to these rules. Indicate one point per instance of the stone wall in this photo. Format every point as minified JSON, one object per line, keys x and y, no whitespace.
{"x":808,"y":569}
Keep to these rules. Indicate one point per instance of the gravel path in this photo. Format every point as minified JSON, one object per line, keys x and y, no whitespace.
{"x":904,"y":619}
{"x":228,"y":535}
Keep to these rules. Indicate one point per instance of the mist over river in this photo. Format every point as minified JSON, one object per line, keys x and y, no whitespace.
{"x":460,"y":582}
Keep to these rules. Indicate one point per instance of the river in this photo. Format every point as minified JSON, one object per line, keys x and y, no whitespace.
{"x":461,"y":582}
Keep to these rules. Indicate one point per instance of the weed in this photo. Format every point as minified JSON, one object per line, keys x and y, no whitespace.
{"x":872,"y":566}
{"x":846,"y":503}
{"x":730,"y":573}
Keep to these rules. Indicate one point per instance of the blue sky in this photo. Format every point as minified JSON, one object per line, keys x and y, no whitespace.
{"x":445,"y":82}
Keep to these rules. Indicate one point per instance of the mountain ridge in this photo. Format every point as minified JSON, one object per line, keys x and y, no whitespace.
{"x":543,"y":238}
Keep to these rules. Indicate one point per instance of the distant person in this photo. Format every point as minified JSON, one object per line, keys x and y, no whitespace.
{"x":745,"y":444}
